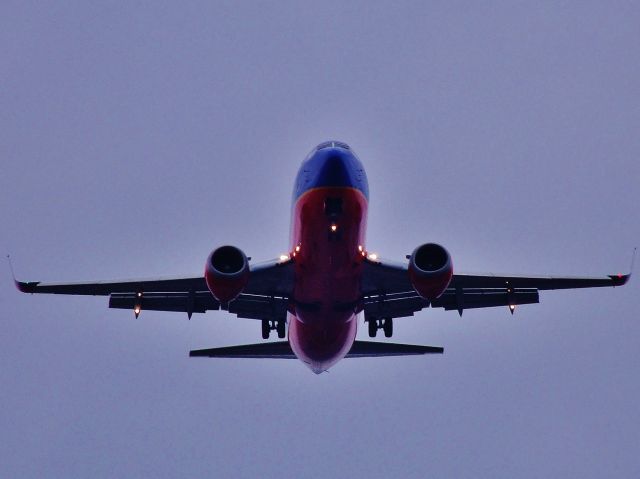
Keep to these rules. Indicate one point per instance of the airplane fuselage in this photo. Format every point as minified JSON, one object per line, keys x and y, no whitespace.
{"x":329,"y":218}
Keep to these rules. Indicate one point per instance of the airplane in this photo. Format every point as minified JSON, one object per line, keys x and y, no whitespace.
{"x":316,"y":291}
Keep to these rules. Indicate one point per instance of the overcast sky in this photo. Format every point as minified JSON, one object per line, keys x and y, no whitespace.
{"x":137,"y":136}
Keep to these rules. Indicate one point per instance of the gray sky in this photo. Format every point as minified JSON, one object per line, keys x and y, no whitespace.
{"x":136,"y":138}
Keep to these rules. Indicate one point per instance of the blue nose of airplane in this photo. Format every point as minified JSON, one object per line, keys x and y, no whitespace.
{"x":334,"y":170}
{"x":331,"y":164}
{"x":336,"y":166}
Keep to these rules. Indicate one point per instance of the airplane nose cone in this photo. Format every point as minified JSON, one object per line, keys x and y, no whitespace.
{"x":332,"y":165}
{"x":335,"y":168}
{"x":334,"y":172}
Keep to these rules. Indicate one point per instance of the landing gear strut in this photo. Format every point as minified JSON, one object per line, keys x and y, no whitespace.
{"x":386,"y":324}
{"x":268,"y":326}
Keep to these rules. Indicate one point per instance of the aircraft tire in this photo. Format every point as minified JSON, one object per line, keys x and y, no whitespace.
{"x":388,"y":327}
{"x":373,"y":328}
{"x":280,"y":328}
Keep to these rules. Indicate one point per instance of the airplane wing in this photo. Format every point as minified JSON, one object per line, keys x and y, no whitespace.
{"x":388,"y":292}
{"x":265,"y":296}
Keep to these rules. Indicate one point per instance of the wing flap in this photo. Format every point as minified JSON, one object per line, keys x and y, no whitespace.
{"x":394,"y":306}
{"x":260,"y":307}
{"x":470,"y":299}
{"x":179,"y":302}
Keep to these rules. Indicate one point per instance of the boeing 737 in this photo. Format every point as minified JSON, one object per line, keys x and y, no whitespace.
{"x":317,"y":290}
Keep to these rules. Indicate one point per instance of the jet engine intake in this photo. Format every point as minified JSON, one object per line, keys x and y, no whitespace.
{"x":226,"y":273}
{"x":430,"y":270}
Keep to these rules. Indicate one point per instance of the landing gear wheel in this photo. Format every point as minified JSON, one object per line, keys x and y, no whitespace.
{"x":373,"y":328}
{"x":387,"y":326}
{"x":280,"y":329}
{"x":266,"y":329}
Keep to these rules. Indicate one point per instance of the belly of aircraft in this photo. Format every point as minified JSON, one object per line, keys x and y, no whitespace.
{"x":327,"y":237}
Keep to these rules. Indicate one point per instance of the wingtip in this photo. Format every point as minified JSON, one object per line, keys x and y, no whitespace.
{"x":13,"y":275}
{"x":622,"y":279}
{"x":19,"y":285}
{"x":25,"y":287}
{"x":22,"y":286}
{"x":619,"y":279}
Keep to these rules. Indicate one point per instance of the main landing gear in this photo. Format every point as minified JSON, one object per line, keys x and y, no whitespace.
{"x":268,"y":326}
{"x":386,"y":324}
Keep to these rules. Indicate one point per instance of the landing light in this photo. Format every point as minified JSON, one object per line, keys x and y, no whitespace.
{"x":373,"y":256}
{"x":284,"y":257}
{"x":512,"y":308}
{"x":360,"y":247}
{"x":334,"y":228}
{"x":297,"y":248}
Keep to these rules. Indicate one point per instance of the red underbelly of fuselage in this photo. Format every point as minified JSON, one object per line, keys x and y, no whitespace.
{"x":327,"y":237}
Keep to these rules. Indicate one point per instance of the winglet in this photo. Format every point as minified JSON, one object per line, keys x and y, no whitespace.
{"x":633,"y":262}
{"x":29,"y":287}
{"x":13,"y":275}
{"x":21,"y":285}
{"x":621,"y":279}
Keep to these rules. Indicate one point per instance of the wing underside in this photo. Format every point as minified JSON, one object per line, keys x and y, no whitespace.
{"x":265,"y":296}
{"x":388,"y":292}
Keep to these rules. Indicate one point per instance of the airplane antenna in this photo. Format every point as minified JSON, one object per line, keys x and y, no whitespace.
{"x":633,"y":260}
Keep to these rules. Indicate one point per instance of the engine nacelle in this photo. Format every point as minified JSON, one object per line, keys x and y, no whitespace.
{"x":226,"y":273}
{"x":430,"y":270}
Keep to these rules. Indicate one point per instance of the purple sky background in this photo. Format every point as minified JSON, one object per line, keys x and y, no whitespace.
{"x":137,"y":137}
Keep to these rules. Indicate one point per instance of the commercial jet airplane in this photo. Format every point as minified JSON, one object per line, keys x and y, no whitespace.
{"x":326,"y":280}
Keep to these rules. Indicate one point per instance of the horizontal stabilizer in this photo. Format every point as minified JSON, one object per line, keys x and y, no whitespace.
{"x":282,"y":350}
{"x":371,"y":349}
{"x":275,"y":350}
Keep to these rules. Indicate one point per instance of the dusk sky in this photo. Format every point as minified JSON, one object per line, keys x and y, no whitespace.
{"x":135,"y":137}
